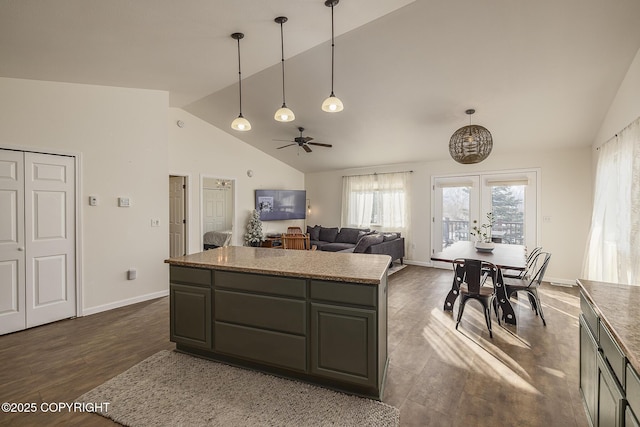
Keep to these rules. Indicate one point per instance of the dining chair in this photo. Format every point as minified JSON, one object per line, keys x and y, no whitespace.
{"x":296,"y":241}
{"x":470,"y":275}
{"x":523,"y":273}
{"x":531,"y":282}
{"x":294,"y":230}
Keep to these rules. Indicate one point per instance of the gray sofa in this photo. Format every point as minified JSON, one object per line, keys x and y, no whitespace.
{"x":357,"y":240}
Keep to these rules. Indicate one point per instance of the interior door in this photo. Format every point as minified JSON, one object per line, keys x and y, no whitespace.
{"x":12,"y":245}
{"x":177,"y":216}
{"x":50,"y":238}
{"x":215,"y":209}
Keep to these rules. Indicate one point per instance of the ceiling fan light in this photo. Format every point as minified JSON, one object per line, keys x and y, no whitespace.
{"x":284,"y":114}
{"x":241,"y":124}
{"x":332,"y":104}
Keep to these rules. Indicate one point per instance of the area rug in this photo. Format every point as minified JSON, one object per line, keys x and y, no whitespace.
{"x":175,"y":389}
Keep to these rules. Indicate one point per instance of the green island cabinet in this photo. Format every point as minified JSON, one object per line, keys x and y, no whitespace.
{"x":609,"y":383}
{"x":327,"y":332}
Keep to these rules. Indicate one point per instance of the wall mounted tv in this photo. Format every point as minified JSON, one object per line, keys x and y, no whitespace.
{"x":277,"y":205}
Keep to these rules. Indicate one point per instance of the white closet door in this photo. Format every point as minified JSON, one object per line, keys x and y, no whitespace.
{"x":50,"y":238}
{"x":12,"y":244}
{"x":176,"y":216}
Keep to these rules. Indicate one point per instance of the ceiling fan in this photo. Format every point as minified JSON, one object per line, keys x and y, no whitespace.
{"x":304,"y":142}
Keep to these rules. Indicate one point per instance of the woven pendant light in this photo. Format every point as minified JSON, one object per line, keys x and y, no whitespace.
{"x":470,"y":144}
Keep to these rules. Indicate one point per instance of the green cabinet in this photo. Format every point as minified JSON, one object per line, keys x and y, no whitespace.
{"x":610,"y":397}
{"x":343,"y":343}
{"x":327,"y":332}
{"x":588,"y":370}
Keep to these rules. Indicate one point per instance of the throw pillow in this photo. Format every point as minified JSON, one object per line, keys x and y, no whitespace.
{"x":314,"y":232}
{"x":348,"y":235}
{"x":366,"y":241}
{"x":328,"y":234}
{"x":389,"y":236}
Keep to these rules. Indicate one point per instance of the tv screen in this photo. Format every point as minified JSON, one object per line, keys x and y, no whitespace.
{"x":277,"y":205}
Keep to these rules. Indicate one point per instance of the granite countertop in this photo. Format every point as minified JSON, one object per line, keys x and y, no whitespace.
{"x":617,"y":305}
{"x":341,"y":267}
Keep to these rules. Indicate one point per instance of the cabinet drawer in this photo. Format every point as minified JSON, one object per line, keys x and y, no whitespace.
{"x":346,"y":293}
{"x":280,"y":314}
{"x":590,"y":316}
{"x":285,"y":286}
{"x":633,"y":389}
{"x":190,"y":275}
{"x":272,"y":348}
{"x":613,"y":354}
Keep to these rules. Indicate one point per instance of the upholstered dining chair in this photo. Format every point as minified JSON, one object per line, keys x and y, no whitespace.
{"x":531,"y":282}
{"x":470,"y":275}
{"x":296,"y":241}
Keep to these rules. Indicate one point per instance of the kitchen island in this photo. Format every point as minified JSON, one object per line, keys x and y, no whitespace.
{"x":610,"y":353}
{"x":320,"y":317}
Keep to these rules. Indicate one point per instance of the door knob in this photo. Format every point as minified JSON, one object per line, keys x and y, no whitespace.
{"x":21,"y":249}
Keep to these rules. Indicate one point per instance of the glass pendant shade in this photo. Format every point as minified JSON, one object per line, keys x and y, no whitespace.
{"x":284,"y":114}
{"x":241,"y":124}
{"x":332,"y":104}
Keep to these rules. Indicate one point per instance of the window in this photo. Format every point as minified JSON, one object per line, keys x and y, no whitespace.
{"x":378,"y":201}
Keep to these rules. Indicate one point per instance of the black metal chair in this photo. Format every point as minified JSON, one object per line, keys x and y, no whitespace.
{"x":531,"y":282}
{"x":525,"y":272}
{"x":470,"y":275}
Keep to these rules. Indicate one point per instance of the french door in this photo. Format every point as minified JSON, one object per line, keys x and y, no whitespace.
{"x":37,"y":239}
{"x":460,"y":202}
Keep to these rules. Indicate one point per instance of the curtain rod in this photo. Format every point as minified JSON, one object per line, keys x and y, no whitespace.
{"x":376,"y":173}
{"x":615,"y":136}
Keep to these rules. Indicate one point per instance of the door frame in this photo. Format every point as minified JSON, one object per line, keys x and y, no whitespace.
{"x":187,"y":207}
{"x":481,"y":173}
{"x":234,"y":201}
{"x":77,"y":158}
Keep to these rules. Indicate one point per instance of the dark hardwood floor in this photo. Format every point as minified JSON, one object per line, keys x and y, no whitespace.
{"x":525,"y":376}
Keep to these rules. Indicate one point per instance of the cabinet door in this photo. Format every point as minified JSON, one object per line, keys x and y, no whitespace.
{"x":588,"y":370}
{"x":610,"y":397}
{"x":191,"y":316}
{"x":343,"y":343}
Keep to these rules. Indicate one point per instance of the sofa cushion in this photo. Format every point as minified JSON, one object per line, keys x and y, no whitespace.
{"x":348,"y":235}
{"x":366,"y":241}
{"x":314,"y":232}
{"x":328,"y":234}
{"x":337,"y":247}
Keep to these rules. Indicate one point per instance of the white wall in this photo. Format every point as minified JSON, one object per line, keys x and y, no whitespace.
{"x":625,"y":107}
{"x":565,"y":197}
{"x":200,"y":149}
{"x":121,"y":136}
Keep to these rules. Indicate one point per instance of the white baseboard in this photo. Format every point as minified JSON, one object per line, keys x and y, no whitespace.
{"x":560,"y":282}
{"x":420,"y":263}
{"x":122,"y":303}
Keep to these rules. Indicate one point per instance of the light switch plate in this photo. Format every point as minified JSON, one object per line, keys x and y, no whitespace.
{"x":123,"y":202}
{"x":93,"y":201}
{"x":155,"y":222}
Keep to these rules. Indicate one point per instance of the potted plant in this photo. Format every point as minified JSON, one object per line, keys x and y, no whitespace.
{"x":253,"y":236}
{"x":483,"y":234}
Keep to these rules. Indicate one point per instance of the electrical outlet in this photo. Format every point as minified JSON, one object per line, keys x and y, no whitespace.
{"x":546,"y":219}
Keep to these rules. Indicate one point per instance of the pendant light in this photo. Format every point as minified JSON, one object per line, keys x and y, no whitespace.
{"x":240,"y":123}
{"x":332,"y":104}
{"x":283,"y":114}
{"x":470,"y":144}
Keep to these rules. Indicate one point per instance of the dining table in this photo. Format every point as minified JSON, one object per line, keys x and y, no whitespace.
{"x":503,"y":256}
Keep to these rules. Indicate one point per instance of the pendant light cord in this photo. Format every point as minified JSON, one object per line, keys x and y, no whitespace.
{"x":239,"y":78}
{"x":282,"y":61}
{"x":332,"y":51}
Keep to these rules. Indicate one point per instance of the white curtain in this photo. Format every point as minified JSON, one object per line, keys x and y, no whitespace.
{"x":613,"y":247}
{"x":378,"y":201}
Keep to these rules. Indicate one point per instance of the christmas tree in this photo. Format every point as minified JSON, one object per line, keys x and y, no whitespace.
{"x":253,"y":236}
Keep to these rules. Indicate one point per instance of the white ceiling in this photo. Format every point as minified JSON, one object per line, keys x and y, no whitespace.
{"x":540,"y":74}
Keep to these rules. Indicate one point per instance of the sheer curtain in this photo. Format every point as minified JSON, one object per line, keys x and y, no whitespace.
{"x":378,"y":201}
{"x":613,"y":247}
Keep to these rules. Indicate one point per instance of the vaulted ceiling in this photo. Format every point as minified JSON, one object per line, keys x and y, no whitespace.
{"x":539,"y":74}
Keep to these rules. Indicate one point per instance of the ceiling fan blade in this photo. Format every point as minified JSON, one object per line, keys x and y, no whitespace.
{"x":321,"y":144}
{"x":307,"y":139}
{"x":307,"y":148}
{"x":288,"y":145}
